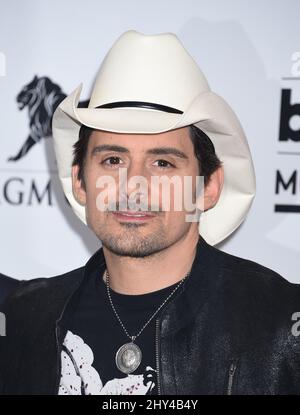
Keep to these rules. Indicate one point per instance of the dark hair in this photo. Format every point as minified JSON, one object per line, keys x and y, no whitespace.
{"x":80,"y":150}
{"x":204,"y":151}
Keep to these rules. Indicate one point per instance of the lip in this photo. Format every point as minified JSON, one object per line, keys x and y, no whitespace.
{"x":137,"y":216}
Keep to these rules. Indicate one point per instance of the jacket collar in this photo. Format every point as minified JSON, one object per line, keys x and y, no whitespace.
{"x":196,"y":290}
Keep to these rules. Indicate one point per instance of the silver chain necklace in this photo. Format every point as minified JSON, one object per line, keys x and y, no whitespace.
{"x":129,"y":356}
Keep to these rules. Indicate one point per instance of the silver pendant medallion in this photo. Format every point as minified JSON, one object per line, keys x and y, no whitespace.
{"x":128,"y":357}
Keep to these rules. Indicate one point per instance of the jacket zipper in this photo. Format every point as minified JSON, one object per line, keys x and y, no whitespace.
{"x":58,"y":358}
{"x":232,"y":371}
{"x":157,"y":356}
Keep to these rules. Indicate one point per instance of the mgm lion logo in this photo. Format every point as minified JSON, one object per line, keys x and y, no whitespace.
{"x":41,"y":96}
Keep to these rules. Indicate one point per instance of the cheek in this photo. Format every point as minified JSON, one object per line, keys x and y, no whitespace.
{"x":91,"y":190}
{"x":174,"y":222}
{"x":102,"y":193}
{"x":175,"y":196}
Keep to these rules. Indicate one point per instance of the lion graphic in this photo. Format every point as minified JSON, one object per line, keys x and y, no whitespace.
{"x":41,"y":96}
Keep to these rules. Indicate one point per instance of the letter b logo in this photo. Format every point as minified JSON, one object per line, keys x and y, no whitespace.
{"x":288,"y":111}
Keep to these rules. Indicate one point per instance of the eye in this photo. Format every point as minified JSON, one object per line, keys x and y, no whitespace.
{"x":164,"y":164}
{"x":115,"y":161}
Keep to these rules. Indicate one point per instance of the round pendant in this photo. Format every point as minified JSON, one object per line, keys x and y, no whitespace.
{"x":128,"y":357}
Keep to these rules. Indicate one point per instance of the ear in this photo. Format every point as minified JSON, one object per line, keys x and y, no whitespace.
{"x":77,"y":188}
{"x":212,"y":190}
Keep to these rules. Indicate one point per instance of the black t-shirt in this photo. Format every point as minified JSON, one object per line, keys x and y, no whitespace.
{"x":94,"y":334}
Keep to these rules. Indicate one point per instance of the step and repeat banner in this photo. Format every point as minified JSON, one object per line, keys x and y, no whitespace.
{"x":250,"y":55}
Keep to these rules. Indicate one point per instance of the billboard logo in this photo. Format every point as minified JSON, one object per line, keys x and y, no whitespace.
{"x":289,"y":118}
{"x":286,"y":182}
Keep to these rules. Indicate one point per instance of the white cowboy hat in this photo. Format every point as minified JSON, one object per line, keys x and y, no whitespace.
{"x":151,"y":84}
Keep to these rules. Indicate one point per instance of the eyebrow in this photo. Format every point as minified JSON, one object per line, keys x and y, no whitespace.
{"x":157,"y":150}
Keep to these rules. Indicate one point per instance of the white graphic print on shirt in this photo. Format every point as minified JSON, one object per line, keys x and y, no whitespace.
{"x":79,"y":377}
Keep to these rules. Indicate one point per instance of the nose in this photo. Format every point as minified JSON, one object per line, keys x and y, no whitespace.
{"x":138,"y":184}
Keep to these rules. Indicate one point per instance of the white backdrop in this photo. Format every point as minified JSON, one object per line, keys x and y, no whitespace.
{"x":245,"y":49}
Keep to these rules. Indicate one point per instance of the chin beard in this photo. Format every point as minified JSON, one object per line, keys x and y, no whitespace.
{"x":134,"y":247}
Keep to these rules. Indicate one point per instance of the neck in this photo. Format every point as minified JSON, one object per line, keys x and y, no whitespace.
{"x":136,"y":276}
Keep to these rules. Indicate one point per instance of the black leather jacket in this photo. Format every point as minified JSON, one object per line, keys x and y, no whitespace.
{"x":227,"y":330}
{"x":7,"y":285}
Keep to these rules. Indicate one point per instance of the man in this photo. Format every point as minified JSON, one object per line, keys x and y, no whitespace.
{"x":157,"y":309}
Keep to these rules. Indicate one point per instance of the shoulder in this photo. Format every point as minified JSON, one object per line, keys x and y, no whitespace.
{"x":251,"y":271}
{"x":47,"y":295}
{"x":256,"y":285}
{"x":39,"y":292}
{"x":7,"y":285}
